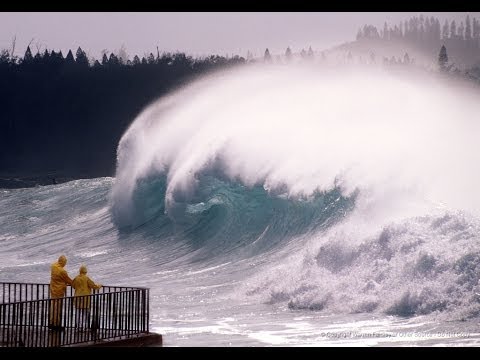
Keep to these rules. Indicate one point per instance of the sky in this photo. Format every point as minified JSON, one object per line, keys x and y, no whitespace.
{"x":196,"y":34}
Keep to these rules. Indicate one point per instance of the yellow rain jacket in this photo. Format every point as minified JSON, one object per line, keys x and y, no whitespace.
{"x":83,"y":285}
{"x":59,"y":279}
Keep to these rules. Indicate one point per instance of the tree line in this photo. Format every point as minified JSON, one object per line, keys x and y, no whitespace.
{"x":426,"y":33}
{"x":67,"y":113}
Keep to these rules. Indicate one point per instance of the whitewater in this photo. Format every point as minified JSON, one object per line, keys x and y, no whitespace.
{"x":280,"y":206}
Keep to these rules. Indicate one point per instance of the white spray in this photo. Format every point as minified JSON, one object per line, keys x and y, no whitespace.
{"x":390,"y":135}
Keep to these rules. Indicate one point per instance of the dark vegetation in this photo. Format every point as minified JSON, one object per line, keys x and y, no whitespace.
{"x":64,"y":116}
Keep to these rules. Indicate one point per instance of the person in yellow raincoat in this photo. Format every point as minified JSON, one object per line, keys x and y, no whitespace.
{"x":59,"y":280}
{"x":83,"y":286}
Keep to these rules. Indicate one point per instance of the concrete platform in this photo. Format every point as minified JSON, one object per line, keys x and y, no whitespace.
{"x":39,"y":336}
{"x":144,"y":339}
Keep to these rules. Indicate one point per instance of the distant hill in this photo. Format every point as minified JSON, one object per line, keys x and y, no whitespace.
{"x":420,"y":37}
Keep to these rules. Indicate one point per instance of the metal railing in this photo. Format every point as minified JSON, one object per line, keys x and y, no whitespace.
{"x":29,"y":317}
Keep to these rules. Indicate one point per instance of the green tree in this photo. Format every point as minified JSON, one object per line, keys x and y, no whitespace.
{"x":267,"y":57}
{"x":56,"y":58}
{"x":475,"y":29}
{"x":4,"y":56}
{"x":385,"y":31}
{"x":468,"y":29}
{"x":310,"y":54}
{"x":445,"y":30}
{"x":443,"y":58}
{"x":288,"y":54}
{"x":453,"y":30}
{"x":113,"y":60}
{"x":151,"y":59}
{"x":104,"y":59}
{"x":81,"y":57}
{"x":28,"y":55}
{"x":69,"y":58}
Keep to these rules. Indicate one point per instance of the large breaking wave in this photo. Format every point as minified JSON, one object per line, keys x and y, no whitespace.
{"x":363,"y":182}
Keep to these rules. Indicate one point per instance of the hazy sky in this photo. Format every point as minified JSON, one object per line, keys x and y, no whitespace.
{"x":195,"y":33}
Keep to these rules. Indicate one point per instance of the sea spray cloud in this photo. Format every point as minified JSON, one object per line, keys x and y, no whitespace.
{"x":399,"y":138}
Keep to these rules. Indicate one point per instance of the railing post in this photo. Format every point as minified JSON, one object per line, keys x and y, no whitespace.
{"x":147,"y":307}
{"x":3,"y":310}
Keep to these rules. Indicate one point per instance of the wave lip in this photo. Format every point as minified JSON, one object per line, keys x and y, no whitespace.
{"x":222,"y":216}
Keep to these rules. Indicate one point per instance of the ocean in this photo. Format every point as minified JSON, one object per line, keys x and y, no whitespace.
{"x":279,"y":207}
